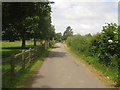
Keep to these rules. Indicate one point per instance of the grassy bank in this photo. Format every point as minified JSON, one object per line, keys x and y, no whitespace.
{"x":105,"y":74}
{"x":20,"y":79}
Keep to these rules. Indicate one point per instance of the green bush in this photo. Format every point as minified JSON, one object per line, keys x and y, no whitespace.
{"x":102,"y":45}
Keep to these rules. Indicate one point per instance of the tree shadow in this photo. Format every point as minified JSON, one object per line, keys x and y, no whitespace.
{"x":28,"y":83}
{"x":53,"y":54}
{"x":56,"y":47}
{"x":7,"y":51}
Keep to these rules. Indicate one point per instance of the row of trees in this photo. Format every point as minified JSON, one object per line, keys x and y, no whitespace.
{"x":26,"y":20}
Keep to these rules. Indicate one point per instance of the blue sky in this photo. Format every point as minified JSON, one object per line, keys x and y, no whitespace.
{"x":83,"y":17}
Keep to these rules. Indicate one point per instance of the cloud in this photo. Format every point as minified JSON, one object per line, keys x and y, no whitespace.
{"x":83,"y":17}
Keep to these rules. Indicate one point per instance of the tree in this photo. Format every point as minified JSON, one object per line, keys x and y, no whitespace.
{"x":67,"y":33}
{"x":58,"y":37}
{"x":25,"y":20}
{"x":51,"y":33}
{"x":14,"y":14}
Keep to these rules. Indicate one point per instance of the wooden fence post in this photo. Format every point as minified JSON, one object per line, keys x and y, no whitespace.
{"x":38,"y":51}
{"x":33,"y":52}
{"x":30,"y":55}
{"x":23,"y":60}
{"x":48,"y":44}
{"x":12,"y":64}
{"x":43,"y":46}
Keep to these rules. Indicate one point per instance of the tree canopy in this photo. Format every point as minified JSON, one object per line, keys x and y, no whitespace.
{"x":67,"y":33}
{"x":26,"y":20}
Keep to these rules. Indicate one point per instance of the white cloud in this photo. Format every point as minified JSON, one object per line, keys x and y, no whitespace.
{"x":83,"y":17}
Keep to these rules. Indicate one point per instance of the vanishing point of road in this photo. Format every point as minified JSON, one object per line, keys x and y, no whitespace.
{"x":61,"y":70}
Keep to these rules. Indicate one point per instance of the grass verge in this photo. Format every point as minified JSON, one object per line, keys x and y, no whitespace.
{"x":23,"y":76}
{"x":104,"y":74}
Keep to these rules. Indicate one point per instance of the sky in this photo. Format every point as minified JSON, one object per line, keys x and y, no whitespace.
{"x":83,"y":16}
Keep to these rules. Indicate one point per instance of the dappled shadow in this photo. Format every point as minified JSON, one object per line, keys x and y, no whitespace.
{"x":56,"y":47}
{"x":53,"y":54}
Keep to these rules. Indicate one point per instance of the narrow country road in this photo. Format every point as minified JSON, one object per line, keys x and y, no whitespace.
{"x":61,"y":70}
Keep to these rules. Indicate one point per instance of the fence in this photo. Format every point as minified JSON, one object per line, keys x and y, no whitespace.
{"x":17,"y":63}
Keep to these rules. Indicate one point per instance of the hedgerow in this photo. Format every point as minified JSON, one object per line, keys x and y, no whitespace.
{"x":102,"y":45}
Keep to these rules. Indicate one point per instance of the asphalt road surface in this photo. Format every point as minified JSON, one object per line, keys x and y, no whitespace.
{"x":61,"y":70}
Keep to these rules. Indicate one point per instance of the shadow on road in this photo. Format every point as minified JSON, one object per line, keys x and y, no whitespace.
{"x":56,"y":47}
{"x":32,"y":80}
{"x":53,"y":54}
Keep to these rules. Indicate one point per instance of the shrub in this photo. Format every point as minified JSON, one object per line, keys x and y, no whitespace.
{"x":102,"y":45}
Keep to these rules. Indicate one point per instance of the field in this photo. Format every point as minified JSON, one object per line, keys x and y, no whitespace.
{"x":9,"y":48}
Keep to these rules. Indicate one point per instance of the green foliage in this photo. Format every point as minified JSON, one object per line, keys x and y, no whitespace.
{"x":58,"y":37}
{"x":102,"y":45}
{"x":67,"y":33}
{"x":107,"y":44}
{"x":26,"y":20}
{"x":80,"y":43}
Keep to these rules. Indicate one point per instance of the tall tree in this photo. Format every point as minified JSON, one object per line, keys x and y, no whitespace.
{"x":14,"y":14}
{"x":67,"y":33}
{"x":27,"y":20}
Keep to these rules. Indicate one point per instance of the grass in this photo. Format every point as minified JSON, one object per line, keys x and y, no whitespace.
{"x":20,"y":79}
{"x":109,"y":72}
{"x":9,"y":48}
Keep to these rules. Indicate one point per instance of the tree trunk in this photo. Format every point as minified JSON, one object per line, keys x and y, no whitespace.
{"x":34,"y":41}
{"x":11,"y":40}
{"x":23,"y":41}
